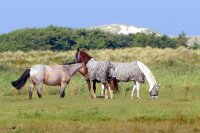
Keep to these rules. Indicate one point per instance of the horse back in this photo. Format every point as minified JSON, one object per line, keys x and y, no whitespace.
{"x":127,"y":71}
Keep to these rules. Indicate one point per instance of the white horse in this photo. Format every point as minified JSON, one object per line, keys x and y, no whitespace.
{"x":135,"y":71}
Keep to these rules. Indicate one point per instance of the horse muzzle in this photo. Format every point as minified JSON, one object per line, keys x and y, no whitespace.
{"x":154,"y":97}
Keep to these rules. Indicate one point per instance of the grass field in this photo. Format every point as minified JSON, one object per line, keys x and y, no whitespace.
{"x":176,"y":110}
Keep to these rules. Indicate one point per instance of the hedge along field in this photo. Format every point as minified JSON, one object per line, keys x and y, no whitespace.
{"x":176,"y":110}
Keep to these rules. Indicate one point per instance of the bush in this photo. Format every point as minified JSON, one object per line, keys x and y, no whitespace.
{"x":62,"y":39}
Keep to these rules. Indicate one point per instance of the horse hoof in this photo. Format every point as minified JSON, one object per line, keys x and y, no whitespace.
{"x":106,"y":97}
{"x":62,"y":96}
{"x":39,"y":95}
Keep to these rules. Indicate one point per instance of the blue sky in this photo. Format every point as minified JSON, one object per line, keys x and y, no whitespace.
{"x":165,"y":16}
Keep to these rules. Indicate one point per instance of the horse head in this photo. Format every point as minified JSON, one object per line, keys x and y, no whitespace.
{"x":82,"y":56}
{"x":154,"y":91}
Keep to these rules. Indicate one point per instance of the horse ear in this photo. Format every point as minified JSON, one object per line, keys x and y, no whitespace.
{"x":83,"y":50}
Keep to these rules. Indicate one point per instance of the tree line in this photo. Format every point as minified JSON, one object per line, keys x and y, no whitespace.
{"x":61,"y":38}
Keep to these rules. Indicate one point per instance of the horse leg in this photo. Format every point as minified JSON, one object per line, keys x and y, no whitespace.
{"x":32,"y":85}
{"x":102,"y":90}
{"x":89,"y":88}
{"x":111,"y":92}
{"x":111,"y":88}
{"x":39,"y":90}
{"x":134,"y":87}
{"x":138,"y":90}
{"x":62,"y":89}
{"x":94,"y":88}
{"x":106,"y":90}
{"x":114,"y":84}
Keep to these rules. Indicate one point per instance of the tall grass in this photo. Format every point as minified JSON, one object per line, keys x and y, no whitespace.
{"x":172,"y":68}
{"x":150,"y":56}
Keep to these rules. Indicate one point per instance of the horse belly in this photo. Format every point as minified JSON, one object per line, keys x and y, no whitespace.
{"x":124,"y":78}
{"x":52,"y":82}
{"x":53,"y":79}
{"x":122,"y":75}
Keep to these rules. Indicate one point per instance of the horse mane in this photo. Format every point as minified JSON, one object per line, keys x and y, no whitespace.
{"x":148,"y":74}
{"x":70,"y":63}
{"x":85,"y":57}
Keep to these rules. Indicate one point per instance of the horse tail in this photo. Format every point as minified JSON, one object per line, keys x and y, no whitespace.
{"x":18,"y":84}
{"x":116,"y":86}
{"x":114,"y":83}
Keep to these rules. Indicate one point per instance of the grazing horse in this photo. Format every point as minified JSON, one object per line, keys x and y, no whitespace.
{"x":58,"y":75}
{"x":135,"y":71}
{"x":97,"y":71}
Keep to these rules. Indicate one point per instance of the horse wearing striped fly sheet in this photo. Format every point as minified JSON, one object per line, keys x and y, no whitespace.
{"x":97,"y":71}
{"x":134,"y":71}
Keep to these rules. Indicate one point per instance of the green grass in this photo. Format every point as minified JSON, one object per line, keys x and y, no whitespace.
{"x":79,"y":113}
{"x":176,"y":110}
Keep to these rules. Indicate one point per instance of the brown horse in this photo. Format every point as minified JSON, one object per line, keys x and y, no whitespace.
{"x":58,"y":75}
{"x":98,"y":73}
{"x":84,"y":72}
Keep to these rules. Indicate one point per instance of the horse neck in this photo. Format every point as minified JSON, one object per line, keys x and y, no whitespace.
{"x":149,"y":76}
{"x":73,"y":68}
{"x":83,"y":70}
{"x":85,"y":57}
